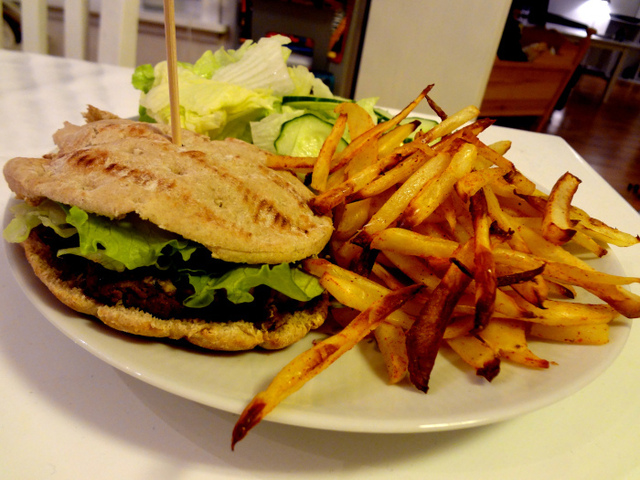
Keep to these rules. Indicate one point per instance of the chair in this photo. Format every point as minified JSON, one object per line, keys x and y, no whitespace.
{"x":533,"y":88}
{"x":117,"y":38}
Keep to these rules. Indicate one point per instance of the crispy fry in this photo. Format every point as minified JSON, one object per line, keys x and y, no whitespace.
{"x":313,"y":361}
{"x":357,"y":144}
{"x":392,"y":342}
{"x":414,"y":268}
{"x":449,"y":124}
{"x":425,"y":335}
{"x":461,"y":325}
{"x":286,"y":162}
{"x":409,"y":242}
{"x":597,"y":334}
{"x":522,"y":184}
{"x":484,"y":269}
{"x":477,"y":353}
{"x":501,"y":147}
{"x":557,"y":226}
{"x":625,"y":302}
{"x":468,"y":185}
{"x":396,"y":175}
{"x":359,"y":122}
{"x":397,"y":203}
{"x":601,"y":231}
{"x":508,"y":339}
{"x":394,"y":138}
{"x":558,"y":313}
{"x":436,"y":190}
{"x":353,"y":290}
{"x":323,"y":163}
{"x":352,"y":218}
{"x":326,"y":201}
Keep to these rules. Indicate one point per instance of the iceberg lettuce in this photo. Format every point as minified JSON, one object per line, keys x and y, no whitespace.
{"x":222,"y":92}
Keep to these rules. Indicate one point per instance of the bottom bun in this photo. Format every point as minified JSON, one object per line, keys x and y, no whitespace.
{"x":234,"y":335}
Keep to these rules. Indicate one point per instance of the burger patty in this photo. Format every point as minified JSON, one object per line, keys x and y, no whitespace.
{"x":156,"y":292}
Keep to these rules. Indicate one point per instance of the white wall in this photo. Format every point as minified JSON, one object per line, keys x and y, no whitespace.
{"x":594,"y":13}
{"x":410,"y":44}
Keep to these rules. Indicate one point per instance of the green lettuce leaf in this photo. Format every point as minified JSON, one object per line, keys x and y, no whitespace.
{"x":238,"y":283}
{"x":132,"y":243}
{"x":122,"y":244}
{"x":27,"y":217}
{"x":143,"y":78}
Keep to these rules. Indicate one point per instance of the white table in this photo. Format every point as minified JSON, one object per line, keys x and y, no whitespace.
{"x":67,"y":415}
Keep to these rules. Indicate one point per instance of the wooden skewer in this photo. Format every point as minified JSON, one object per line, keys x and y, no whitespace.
{"x":172,"y":65}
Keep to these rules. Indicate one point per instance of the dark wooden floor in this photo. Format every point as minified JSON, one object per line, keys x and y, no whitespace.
{"x":606,"y":135}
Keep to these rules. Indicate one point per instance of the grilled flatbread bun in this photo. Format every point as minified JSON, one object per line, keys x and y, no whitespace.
{"x":217,"y":193}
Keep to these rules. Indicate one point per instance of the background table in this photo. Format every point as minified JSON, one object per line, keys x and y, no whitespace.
{"x":68,"y":415}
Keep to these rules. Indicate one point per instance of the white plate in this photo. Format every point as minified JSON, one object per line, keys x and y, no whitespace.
{"x":353,"y":394}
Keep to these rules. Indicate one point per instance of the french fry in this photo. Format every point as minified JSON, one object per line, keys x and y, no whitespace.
{"x":396,"y":175}
{"x":501,"y":147}
{"x":522,"y":183}
{"x":597,"y":334}
{"x":414,"y":268}
{"x":625,"y":302}
{"x":471,"y":130}
{"x":588,"y":243}
{"x":386,"y":276}
{"x":398,"y":202}
{"x":359,"y":122}
{"x":353,"y":290}
{"x":557,"y":226}
{"x":485,"y":275}
{"x":313,"y":361}
{"x":436,"y":190}
{"x":359,"y":143}
{"x":286,"y":162}
{"x":394,"y":138}
{"x":322,"y":166}
{"x":508,"y":339}
{"x":593,"y":227}
{"x":468,"y":185}
{"x":392,"y":342}
{"x":458,"y":326}
{"x":409,"y":242}
{"x":477,"y":353}
{"x":559,"y":313}
{"x":601,"y":231}
{"x":327,"y":200}
{"x":449,"y":124}
{"x":426,"y":333}
{"x":352,"y":218}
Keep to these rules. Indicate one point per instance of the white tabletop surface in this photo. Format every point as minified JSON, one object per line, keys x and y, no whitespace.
{"x":67,"y":415}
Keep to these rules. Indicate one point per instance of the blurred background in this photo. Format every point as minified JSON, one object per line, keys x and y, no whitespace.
{"x":564,"y":67}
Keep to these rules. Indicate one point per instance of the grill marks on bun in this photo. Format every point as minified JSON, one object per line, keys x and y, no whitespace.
{"x":217,"y":193}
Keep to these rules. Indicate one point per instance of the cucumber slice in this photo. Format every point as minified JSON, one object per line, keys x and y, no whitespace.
{"x":310,"y":99}
{"x":322,"y":107}
{"x":425,"y":124}
{"x":303,"y":136}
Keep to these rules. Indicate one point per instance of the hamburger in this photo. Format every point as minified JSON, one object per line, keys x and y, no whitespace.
{"x":199,"y":242}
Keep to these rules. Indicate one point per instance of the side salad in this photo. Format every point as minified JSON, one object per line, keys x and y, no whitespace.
{"x":251,"y":94}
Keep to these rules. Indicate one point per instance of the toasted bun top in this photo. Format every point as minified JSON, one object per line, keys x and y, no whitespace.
{"x":217,"y":193}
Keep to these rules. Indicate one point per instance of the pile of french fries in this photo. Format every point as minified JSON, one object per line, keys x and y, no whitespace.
{"x":440,"y":242}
